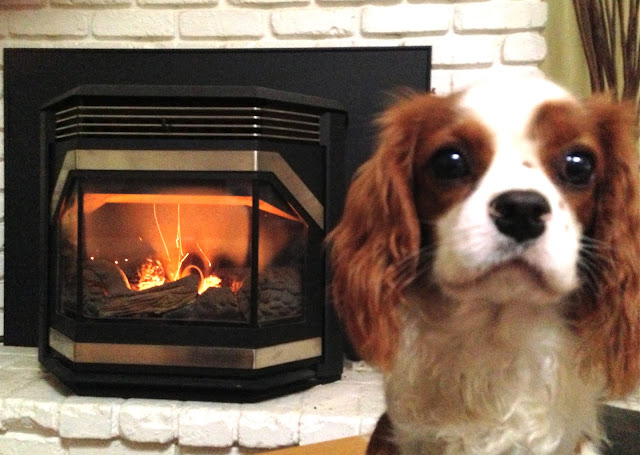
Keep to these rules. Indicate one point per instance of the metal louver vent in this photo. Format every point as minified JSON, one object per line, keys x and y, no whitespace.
{"x":244,"y":122}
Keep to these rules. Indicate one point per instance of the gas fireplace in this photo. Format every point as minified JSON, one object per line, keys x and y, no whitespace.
{"x":186,"y":228}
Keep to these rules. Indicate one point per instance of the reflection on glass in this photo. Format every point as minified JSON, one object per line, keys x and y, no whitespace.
{"x":67,"y":251}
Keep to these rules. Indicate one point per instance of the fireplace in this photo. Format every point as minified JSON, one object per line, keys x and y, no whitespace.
{"x":187,"y":227}
{"x":166,"y":211}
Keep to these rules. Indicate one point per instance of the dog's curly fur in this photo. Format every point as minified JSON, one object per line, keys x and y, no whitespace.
{"x":501,"y":362}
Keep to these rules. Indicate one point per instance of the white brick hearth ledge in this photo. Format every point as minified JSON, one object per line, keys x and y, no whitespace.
{"x":39,"y":416}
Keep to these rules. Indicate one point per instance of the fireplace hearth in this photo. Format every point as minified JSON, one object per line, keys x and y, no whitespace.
{"x":186,"y":227}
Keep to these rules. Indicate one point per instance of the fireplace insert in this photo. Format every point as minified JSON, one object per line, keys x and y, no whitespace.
{"x":186,"y":239}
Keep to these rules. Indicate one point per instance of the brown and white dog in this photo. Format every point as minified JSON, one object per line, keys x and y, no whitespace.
{"x":488,"y":263}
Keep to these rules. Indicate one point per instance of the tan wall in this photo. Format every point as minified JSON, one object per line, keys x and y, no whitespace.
{"x":565,"y":62}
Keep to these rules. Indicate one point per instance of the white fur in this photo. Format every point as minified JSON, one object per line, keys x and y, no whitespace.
{"x":488,"y":366}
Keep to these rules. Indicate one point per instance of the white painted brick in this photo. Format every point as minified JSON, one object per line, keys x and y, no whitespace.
{"x":500,"y":15}
{"x":208,"y":425}
{"x":314,"y":22}
{"x":406,"y":19}
{"x":453,"y":50}
{"x":23,"y":3}
{"x":30,"y":444}
{"x":16,"y":362}
{"x":91,"y":2}
{"x":372,"y":406}
{"x":329,"y":412}
{"x":149,"y":421}
{"x":441,"y":81}
{"x":49,"y":23}
{"x":361,"y":374}
{"x":525,"y":47}
{"x":177,"y":2}
{"x":12,"y":382}
{"x":268,"y":3}
{"x":463,"y":78}
{"x":185,"y":450}
{"x":317,"y":428}
{"x":33,"y":408}
{"x":18,"y":350}
{"x":270,"y":424}
{"x":222,"y":24}
{"x":134,"y":24}
{"x":117,"y":447}
{"x":368,"y":424}
{"x":343,"y":2}
{"x":89,"y":417}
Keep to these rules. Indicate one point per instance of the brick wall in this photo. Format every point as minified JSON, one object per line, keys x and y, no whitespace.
{"x":469,"y":37}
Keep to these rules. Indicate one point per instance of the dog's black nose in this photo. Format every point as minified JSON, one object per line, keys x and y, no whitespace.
{"x":519,"y":214}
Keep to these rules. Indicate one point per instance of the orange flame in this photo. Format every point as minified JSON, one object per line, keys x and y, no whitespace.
{"x":150,"y":274}
{"x":185,"y":232}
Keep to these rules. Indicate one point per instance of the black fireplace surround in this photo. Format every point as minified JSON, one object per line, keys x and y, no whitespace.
{"x":166,"y":211}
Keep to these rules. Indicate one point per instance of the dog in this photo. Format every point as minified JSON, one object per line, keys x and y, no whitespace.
{"x":488,"y":261}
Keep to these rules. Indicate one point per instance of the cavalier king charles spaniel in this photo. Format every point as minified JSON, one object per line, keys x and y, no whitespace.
{"x":488,"y":264}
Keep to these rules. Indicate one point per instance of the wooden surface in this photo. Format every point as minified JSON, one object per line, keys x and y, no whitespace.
{"x":356,"y":445}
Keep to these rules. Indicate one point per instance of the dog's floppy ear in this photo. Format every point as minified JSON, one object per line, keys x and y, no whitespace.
{"x":375,"y":246}
{"x":609,"y":322}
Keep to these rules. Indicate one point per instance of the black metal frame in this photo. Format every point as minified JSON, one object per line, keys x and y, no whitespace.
{"x":238,"y":384}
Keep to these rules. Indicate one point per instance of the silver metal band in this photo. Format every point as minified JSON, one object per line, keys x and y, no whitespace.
{"x":185,"y":356}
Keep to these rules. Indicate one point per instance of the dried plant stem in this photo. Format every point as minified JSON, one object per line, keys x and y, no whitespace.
{"x":611,"y":43}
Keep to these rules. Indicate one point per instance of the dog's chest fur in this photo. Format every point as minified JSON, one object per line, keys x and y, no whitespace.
{"x":489,"y":380}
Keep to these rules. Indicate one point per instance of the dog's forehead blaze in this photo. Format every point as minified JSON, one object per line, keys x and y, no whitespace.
{"x":554,"y":127}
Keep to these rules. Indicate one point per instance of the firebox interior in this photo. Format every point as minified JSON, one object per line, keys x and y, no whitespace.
{"x":162,"y":249}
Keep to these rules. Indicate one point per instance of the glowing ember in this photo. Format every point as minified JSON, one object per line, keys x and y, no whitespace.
{"x":150,"y":274}
{"x":211,"y":281}
{"x":236,"y":286}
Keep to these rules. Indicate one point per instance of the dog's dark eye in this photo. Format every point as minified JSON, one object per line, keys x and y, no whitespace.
{"x":449,"y":163}
{"x":578,"y":166}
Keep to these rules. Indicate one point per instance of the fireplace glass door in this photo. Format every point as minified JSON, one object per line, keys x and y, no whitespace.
{"x":229,"y":250}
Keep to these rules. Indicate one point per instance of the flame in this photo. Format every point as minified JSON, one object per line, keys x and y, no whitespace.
{"x":212,"y":281}
{"x":150,"y":274}
{"x":180,"y":234}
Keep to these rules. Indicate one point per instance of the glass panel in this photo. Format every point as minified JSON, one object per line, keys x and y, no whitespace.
{"x":67,"y":252}
{"x":281,"y":255}
{"x":167,"y":251}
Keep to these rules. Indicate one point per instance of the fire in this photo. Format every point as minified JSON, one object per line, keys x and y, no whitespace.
{"x":181,"y":235}
{"x":212,"y":281}
{"x":150,"y":274}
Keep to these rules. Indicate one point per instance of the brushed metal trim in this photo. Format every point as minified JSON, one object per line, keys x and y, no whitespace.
{"x":185,"y":356}
{"x":190,"y":160}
